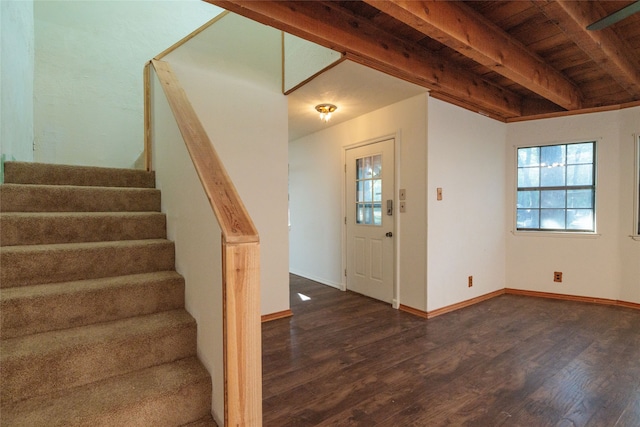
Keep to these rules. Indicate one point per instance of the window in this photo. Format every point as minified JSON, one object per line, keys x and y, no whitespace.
{"x":369,"y":190}
{"x":556,"y":188}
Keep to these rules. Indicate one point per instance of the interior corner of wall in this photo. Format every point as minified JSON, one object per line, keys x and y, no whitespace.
{"x":2,"y":158}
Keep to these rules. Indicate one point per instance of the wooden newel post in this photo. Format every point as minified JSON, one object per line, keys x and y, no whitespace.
{"x":242,"y":334}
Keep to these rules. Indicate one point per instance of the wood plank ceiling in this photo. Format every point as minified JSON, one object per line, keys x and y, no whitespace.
{"x":510,"y":60}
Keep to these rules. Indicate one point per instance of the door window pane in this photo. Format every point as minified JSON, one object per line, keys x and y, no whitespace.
{"x":369,"y":190}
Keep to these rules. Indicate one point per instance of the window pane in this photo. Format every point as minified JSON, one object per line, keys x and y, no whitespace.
{"x":369,"y":190}
{"x":367,"y":167}
{"x":580,"y":219}
{"x":377,"y":214}
{"x":529,"y":199}
{"x":377,"y":165}
{"x":359,"y":168}
{"x":528,"y":218}
{"x":360,"y":191}
{"x":368,"y":214}
{"x":368,"y":193}
{"x":580,"y":199}
{"x":377,"y":190}
{"x":552,"y":219}
{"x":580,"y":153}
{"x":552,"y":199}
{"x":528,"y":156}
{"x":364,"y":213}
{"x":552,"y":155}
{"x":528,"y":177}
{"x":552,"y":176}
{"x":580,"y":175}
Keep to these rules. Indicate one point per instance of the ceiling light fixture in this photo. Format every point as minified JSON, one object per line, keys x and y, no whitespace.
{"x":325,"y":111}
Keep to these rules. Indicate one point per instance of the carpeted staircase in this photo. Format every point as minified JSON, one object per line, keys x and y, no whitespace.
{"x":93,"y":326}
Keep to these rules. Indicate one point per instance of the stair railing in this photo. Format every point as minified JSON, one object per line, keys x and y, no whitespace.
{"x":240,"y":257}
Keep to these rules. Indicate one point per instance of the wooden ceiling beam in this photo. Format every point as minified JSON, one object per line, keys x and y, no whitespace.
{"x":609,"y":51}
{"x":325,"y":23}
{"x":461,"y":28}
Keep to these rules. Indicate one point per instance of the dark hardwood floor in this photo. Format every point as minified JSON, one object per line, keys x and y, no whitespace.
{"x":344,"y":359}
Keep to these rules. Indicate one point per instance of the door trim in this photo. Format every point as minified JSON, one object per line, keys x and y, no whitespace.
{"x":395,"y":302}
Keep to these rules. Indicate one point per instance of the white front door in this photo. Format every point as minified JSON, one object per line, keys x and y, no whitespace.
{"x":369,"y":223}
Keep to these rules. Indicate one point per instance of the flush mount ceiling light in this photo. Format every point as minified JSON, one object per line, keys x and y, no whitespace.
{"x":325,"y":111}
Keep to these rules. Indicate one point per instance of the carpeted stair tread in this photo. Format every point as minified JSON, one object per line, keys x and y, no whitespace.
{"x":41,"y":173}
{"x":39,"y":264}
{"x":17,"y":228}
{"x":62,"y":198}
{"x":44,"y":363}
{"x":92,"y":321}
{"x":40,"y":308}
{"x":165,"y":395}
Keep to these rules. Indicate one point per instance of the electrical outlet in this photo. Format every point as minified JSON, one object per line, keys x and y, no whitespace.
{"x":557,"y":276}
{"x":470,"y":281}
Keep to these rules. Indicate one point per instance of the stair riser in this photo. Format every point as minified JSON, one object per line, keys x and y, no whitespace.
{"x":165,"y":395}
{"x":39,"y":173}
{"x":39,"y":229}
{"x":43,"y":373}
{"x":189,"y":403}
{"x":32,"y":198}
{"x":34,"y":314}
{"x":36,"y":265}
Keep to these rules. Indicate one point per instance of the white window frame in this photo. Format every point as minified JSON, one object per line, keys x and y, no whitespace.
{"x":556,"y":233}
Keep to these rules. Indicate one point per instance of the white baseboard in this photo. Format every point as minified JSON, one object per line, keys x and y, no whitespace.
{"x":317,"y":279}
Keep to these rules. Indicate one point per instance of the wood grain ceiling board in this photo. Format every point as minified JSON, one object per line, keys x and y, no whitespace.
{"x":604,"y":66}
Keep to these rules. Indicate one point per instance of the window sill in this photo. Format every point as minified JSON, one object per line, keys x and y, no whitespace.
{"x":560,"y":234}
{"x":636,"y":238}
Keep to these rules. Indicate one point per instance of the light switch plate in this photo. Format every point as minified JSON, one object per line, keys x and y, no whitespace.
{"x":403,"y":207}
{"x":439,"y":193}
{"x":403,"y":194}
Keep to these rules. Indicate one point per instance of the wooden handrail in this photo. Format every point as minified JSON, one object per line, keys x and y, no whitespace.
{"x":240,"y":262}
{"x":235,"y":223}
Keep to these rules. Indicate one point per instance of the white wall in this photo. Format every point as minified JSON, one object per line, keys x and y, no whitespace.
{"x":604,"y":266}
{"x":191,"y":224}
{"x":316,"y":194}
{"x":466,"y":230}
{"x":16,"y":80}
{"x":231,"y":73}
{"x":629,"y":249}
{"x":89,"y":57}
{"x":303,"y":59}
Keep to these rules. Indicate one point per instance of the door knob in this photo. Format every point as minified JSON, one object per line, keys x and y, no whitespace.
{"x":389,"y":234}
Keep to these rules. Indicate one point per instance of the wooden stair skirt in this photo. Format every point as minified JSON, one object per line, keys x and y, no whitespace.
{"x":93,"y":326}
